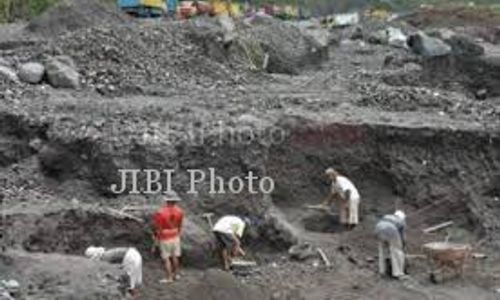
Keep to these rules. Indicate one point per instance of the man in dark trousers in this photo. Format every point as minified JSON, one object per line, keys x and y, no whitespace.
{"x":228,"y":231}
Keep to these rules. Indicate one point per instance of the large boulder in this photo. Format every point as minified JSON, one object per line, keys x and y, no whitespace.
{"x":464,"y":46}
{"x":460,"y":44}
{"x":31,"y":72}
{"x":390,"y":36}
{"x":319,"y":37}
{"x":301,"y":251}
{"x":428,"y":46}
{"x":61,"y":73}
{"x":8,"y":74}
{"x":289,"y":50}
{"x":316,"y":36}
{"x":277,"y":230}
{"x":198,"y":245}
{"x":396,"y":37}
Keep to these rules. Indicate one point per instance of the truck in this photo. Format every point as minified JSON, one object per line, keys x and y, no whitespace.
{"x":143,"y":8}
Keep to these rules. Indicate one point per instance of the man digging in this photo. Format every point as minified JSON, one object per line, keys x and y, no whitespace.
{"x":390,"y":231}
{"x":228,"y":231}
{"x":128,"y":257}
{"x":346,"y":196}
{"x":168,"y":227}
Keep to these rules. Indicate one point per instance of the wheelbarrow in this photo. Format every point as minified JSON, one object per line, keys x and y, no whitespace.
{"x":447,"y":260}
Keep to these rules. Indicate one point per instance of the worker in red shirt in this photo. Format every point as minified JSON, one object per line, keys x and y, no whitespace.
{"x":168,"y":228}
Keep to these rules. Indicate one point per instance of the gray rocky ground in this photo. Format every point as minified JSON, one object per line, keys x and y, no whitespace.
{"x":410,"y":131}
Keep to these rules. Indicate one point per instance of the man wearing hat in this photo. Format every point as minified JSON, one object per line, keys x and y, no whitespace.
{"x":168,"y":227}
{"x":345,"y":194}
{"x":390,"y":231}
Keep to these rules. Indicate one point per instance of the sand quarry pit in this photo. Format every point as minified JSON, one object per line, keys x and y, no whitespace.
{"x":405,"y":134}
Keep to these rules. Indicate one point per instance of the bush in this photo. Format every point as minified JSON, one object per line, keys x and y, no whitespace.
{"x":38,"y":6}
{"x":12,"y":10}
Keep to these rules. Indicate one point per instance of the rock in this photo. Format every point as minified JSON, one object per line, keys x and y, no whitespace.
{"x":36,"y":144}
{"x":197,"y":245}
{"x":378,"y":37}
{"x":289,"y":49}
{"x":481,"y":94}
{"x":12,"y":286}
{"x":357,"y":33}
{"x":4,"y":62}
{"x":396,"y":37}
{"x":249,"y":119}
{"x":390,"y":36}
{"x":464,"y":46}
{"x":243,"y":267}
{"x":441,"y":33}
{"x":66,"y":60}
{"x":278,"y":230}
{"x":427,"y":46}
{"x":318,"y":37}
{"x":301,"y":251}
{"x":228,"y":28}
{"x":346,"y":19}
{"x":370,"y":259}
{"x":460,"y":44}
{"x":61,"y":73}
{"x":412,"y":67}
{"x":4,"y":295}
{"x":8,"y":74}
{"x":31,"y":72}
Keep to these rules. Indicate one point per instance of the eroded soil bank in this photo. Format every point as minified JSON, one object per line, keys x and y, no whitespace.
{"x":413,"y":133}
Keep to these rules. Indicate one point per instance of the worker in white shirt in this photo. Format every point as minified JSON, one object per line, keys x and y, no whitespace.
{"x":345,"y":194}
{"x":390,"y":231}
{"x":128,"y":257}
{"x":228,"y":231}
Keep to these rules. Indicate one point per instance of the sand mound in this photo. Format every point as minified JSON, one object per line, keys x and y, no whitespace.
{"x":71,"y":15}
{"x":288,"y":48}
{"x":219,"y":285}
{"x":142,"y":58}
{"x":56,"y":276}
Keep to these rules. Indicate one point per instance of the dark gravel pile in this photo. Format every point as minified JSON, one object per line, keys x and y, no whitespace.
{"x":413,"y":98}
{"x":71,"y":15}
{"x":142,"y":58}
{"x":404,"y":98}
{"x":288,"y":48}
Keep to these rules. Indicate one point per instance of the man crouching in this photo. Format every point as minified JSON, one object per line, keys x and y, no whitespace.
{"x":129,"y":258}
{"x":228,"y":231}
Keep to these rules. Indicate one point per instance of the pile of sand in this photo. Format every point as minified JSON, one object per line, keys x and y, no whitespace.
{"x":71,"y":15}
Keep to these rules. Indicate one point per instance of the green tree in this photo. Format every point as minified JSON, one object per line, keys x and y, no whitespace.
{"x":12,"y":10}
